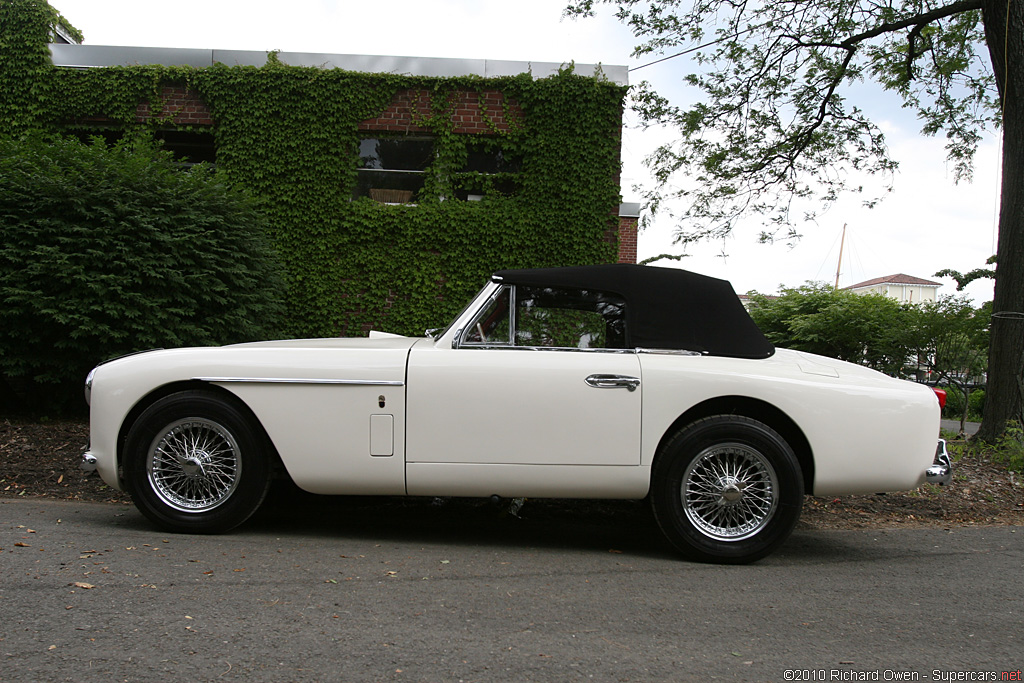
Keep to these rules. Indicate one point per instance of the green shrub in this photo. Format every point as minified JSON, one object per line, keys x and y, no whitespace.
{"x":104,"y":251}
{"x":976,"y":404}
{"x":954,"y":409}
{"x":1009,"y":449}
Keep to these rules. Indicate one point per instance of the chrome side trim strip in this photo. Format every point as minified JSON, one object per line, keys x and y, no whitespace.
{"x":303,"y":380}
{"x":670,"y":352}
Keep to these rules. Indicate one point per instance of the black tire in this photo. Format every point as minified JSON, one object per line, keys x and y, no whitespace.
{"x":196,"y":463}
{"x":726,"y":489}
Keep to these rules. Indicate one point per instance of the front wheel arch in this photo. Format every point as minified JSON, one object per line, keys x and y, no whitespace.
{"x":195,"y":461}
{"x":191,"y":385}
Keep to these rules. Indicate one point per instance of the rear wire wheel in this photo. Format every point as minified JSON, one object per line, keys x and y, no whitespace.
{"x":726,"y":489}
{"x":197,"y":463}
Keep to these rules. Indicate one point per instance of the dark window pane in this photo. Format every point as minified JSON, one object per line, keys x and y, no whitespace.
{"x":192,"y":148}
{"x":479,"y":159}
{"x":566,"y":318}
{"x":396,"y":154}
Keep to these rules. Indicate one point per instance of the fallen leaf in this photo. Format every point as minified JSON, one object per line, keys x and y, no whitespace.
{"x":82,"y":584}
{"x":19,"y":544}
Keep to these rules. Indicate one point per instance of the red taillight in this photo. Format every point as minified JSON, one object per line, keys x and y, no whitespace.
{"x":941,"y":395}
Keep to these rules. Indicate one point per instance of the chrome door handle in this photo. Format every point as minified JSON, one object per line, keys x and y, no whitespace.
{"x":613,"y":382}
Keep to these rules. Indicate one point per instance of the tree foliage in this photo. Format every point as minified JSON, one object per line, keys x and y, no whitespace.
{"x":776,"y":124}
{"x":776,"y":121}
{"x":964,"y":279}
{"x":108,"y":251}
{"x":941,"y":342}
{"x":290,"y":135}
{"x":869,"y":329}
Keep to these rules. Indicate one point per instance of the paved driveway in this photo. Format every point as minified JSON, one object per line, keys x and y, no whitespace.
{"x":954,"y":426}
{"x":91,"y":592}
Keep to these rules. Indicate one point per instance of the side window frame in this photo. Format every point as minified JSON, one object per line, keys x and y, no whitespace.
{"x":477,"y":320}
{"x":462,"y":339}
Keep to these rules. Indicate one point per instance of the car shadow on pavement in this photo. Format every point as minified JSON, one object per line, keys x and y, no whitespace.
{"x":606,"y":525}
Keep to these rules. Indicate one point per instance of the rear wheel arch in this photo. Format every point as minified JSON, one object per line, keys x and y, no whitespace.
{"x":756,"y":409}
{"x":726,"y":488}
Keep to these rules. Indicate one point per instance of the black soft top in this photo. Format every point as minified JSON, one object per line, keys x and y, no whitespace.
{"x":666,"y":308}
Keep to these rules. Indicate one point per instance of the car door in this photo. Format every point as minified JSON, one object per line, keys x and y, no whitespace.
{"x":538,"y":377}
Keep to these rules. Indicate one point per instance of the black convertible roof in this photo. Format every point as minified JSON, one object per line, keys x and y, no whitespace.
{"x":666,"y":308}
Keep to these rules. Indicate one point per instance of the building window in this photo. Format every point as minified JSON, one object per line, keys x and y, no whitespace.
{"x":188,"y":147}
{"x":488,"y":171}
{"x":392,"y":170}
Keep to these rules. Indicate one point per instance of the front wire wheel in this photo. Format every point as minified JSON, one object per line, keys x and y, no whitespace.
{"x":197,"y":463}
{"x":194,"y":465}
{"x":726,"y":489}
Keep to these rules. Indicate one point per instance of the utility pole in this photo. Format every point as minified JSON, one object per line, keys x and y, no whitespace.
{"x":840,"y":264}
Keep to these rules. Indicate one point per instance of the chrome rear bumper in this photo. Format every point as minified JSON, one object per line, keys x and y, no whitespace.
{"x":941,"y":471}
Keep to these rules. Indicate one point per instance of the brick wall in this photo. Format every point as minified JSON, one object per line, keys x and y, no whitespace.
{"x":181,"y":106}
{"x":627,"y":239}
{"x":409,"y":107}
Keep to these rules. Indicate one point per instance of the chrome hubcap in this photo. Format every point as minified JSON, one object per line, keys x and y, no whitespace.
{"x":729,"y":492}
{"x":193,"y":465}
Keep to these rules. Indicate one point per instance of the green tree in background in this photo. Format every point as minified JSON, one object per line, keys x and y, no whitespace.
{"x":952,"y":344}
{"x":776,"y":120}
{"x":869,"y":329}
{"x":105,"y":251}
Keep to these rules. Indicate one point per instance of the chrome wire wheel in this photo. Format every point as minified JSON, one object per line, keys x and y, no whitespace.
{"x":729,"y":492}
{"x":194,"y":465}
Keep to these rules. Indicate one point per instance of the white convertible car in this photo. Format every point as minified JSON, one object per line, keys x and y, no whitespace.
{"x":613,"y":381}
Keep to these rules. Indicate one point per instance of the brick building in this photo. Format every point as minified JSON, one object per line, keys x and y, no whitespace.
{"x":394,"y":162}
{"x":391,"y":186}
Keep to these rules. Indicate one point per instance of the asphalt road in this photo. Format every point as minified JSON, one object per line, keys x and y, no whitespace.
{"x":954,"y":426}
{"x":91,"y":592}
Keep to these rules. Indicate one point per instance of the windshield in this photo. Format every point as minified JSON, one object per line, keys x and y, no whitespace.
{"x":434,"y":334}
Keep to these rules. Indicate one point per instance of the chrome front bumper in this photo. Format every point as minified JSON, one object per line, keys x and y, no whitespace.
{"x":941,"y":471}
{"x":88,"y":462}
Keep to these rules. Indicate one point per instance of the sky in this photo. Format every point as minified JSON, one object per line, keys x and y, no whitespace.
{"x":926,"y":224}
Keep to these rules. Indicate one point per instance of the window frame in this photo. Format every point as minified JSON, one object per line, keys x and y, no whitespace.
{"x":460,"y":341}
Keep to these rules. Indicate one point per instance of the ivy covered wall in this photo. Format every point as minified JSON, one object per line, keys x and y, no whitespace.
{"x":292,"y":136}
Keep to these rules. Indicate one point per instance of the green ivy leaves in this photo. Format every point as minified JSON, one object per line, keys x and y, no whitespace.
{"x":289,"y":135}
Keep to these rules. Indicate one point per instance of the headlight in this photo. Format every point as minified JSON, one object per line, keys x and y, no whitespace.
{"x":88,"y":387}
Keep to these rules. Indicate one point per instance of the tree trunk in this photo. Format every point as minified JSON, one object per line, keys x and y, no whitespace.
{"x":1004,"y":32}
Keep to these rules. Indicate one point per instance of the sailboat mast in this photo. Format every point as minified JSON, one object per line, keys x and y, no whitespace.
{"x":839,"y":265}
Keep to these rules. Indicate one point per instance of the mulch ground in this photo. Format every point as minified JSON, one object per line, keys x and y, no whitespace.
{"x":42,"y":459}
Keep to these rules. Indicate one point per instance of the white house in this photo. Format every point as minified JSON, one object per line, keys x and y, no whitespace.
{"x":903,"y":288}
